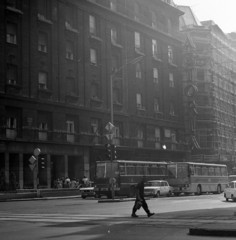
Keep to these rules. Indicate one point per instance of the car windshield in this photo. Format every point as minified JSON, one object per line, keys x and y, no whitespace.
{"x":156,"y":184}
{"x":231,"y":185}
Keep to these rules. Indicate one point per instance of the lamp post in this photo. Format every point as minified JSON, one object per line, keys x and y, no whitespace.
{"x":135,"y":60}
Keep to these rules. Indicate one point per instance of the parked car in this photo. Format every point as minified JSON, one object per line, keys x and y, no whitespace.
{"x":157,"y":188}
{"x":87,"y":190}
{"x":230,"y":191}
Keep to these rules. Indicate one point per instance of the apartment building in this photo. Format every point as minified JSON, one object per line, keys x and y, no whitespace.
{"x":57,"y":61}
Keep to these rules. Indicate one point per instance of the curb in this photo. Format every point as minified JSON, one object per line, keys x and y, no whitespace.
{"x":38,"y":199}
{"x":212,"y":232}
{"x":119,"y":200}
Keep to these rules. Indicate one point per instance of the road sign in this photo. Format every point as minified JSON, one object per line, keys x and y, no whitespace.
{"x":109,"y":126}
{"x":110,"y":136}
{"x":32,"y":159}
{"x":32,"y":166}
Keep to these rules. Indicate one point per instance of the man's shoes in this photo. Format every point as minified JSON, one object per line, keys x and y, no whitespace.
{"x":150,"y":214}
{"x":134,"y":215}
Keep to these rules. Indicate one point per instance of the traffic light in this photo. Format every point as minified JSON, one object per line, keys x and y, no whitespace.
{"x":108,"y":150}
{"x":42,"y":163}
{"x":114,"y":157}
{"x":192,"y":107}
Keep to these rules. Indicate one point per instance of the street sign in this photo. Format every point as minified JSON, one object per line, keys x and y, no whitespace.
{"x":32,"y":166}
{"x":110,"y":136}
{"x":32,"y":159}
{"x":109,"y":126}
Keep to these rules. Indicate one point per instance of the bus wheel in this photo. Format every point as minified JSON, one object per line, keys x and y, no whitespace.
{"x":218,"y":189}
{"x":199,"y":190}
{"x":132,"y":191}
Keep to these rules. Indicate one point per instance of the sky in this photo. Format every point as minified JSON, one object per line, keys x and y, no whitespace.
{"x":222,"y":12}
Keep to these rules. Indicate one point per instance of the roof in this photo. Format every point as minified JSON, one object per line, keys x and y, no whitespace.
{"x":189,"y":18}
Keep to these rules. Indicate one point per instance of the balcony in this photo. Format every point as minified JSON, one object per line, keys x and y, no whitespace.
{"x":70,"y":138}
{"x":11,"y":133}
{"x":43,"y":136}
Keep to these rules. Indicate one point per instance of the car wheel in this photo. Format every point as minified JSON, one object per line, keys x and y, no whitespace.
{"x":83,"y":196}
{"x":97,"y":196}
{"x":157,"y":194}
{"x":169,"y":194}
{"x":227,"y":199}
{"x":176,"y":194}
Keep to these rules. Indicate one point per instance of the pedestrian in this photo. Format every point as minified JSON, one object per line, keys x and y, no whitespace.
{"x":67,"y":182}
{"x":73,"y":183}
{"x":140,"y":199}
{"x":85,"y":180}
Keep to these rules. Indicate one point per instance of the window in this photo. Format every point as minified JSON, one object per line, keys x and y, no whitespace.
{"x":93,"y":57}
{"x":154,"y":19}
{"x":170,"y":54}
{"x":42,"y":80}
{"x":115,"y":63}
{"x":94,"y":126}
{"x":11,"y":3}
{"x":11,"y":122}
{"x":139,"y":100}
{"x":136,"y":12}
{"x":171,"y":80}
{"x":139,"y":169}
{"x":172,"y":108}
{"x":138,"y":72}
{"x":70,"y":85}
{"x":137,"y":40}
{"x":130,"y":169}
{"x":116,"y":95}
{"x":94,"y":91}
{"x":114,"y":35}
{"x":42,"y":42}
{"x":158,"y":138}
{"x":154,"y":48}
{"x":69,"y":17}
{"x":200,"y":74}
{"x":156,"y":104}
{"x":43,"y":126}
{"x":42,"y":8}
{"x":70,"y":125}
{"x":12,"y":74}
{"x":92,"y":25}
{"x":69,"y":50}
{"x":113,"y":5}
{"x":140,"y":138}
{"x":173,"y":136}
{"x":155,"y":75}
{"x":11,"y":33}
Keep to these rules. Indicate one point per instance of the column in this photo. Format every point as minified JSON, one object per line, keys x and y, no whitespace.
{"x":66,"y":166}
{"x":21,"y":171}
{"x":86,"y":163}
{"x":7,"y":167}
{"x":48,"y":171}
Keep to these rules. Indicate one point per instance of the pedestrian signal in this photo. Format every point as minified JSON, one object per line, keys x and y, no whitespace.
{"x":114,"y":157}
{"x":42,"y":163}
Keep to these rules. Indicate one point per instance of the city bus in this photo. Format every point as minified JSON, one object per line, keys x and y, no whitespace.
{"x":127,"y":174}
{"x":198,"y":178}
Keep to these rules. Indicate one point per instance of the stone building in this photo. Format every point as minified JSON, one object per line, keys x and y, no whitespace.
{"x":57,"y":61}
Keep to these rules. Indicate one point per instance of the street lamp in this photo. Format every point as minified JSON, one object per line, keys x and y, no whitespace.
{"x":135,"y":60}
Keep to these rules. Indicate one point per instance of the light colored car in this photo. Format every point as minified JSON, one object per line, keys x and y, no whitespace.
{"x":230,"y":191}
{"x":157,"y":188}
{"x":87,"y":192}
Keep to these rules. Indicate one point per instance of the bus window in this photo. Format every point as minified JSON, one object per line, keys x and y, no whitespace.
{"x":224,"y":171}
{"x":161,"y":170}
{"x":172,"y":170}
{"x":205,"y":171}
{"x":101,"y":170}
{"x":217,"y":171}
{"x":147,"y":170}
{"x":154,"y":170}
{"x":139,"y":169}
{"x":130,"y":169}
{"x":182,"y":171}
{"x":111,"y":169}
{"x":122,"y":169}
{"x":211,"y":171}
{"x":191,"y":167}
{"x":198,"y":170}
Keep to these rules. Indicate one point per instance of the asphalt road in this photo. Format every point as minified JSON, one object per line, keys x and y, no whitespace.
{"x":89,"y":220}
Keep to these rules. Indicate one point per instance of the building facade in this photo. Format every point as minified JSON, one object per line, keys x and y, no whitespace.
{"x":209,"y":65}
{"x":57,"y":61}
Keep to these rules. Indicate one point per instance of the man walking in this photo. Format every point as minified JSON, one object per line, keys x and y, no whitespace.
{"x":140,"y":198}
